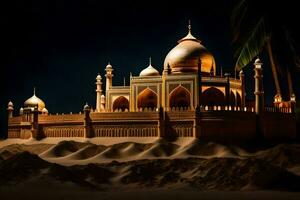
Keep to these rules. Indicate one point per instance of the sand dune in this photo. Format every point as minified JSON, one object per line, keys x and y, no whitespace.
{"x":186,"y":165}
{"x":197,"y":173}
{"x":81,"y":152}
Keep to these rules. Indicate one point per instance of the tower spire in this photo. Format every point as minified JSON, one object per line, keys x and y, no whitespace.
{"x":189,"y":36}
{"x":190,"y":27}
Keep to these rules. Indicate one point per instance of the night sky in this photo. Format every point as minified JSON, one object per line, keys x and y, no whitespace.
{"x":60,"y":46}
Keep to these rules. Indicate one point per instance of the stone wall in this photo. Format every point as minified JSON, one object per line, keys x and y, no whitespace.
{"x":215,"y":124}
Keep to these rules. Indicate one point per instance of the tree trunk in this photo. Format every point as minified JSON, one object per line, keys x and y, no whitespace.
{"x":273,"y":67}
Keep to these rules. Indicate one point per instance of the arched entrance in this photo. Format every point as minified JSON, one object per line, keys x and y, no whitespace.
{"x":147,"y":99}
{"x":121,"y":103}
{"x":213,"y":97}
{"x":180,"y":97}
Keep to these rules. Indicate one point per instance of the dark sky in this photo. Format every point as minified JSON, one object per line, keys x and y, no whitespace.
{"x":60,"y":46}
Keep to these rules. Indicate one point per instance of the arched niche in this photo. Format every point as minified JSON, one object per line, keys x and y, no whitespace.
{"x":121,"y":103}
{"x":147,"y":99}
{"x":213,"y":97}
{"x":180,"y":97}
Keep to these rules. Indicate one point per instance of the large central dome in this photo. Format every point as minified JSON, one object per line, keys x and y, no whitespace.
{"x":186,"y":55}
{"x":35,"y":101}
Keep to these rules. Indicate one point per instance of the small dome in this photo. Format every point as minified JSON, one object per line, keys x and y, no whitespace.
{"x":98,"y":77}
{"x":102,"y":96}
{"x":10,"y":104}
{"x":186,"y":55}
{"x":149,"y":71}
{"x":86,"y":107}
{"x":21,"y":111}
{"x":108,"y":66}
{"x":44,"y":110}
{"x":257,"y":61}
{"x":35,"y":101}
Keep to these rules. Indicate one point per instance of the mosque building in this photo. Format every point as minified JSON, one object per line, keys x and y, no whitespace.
{"x":186,"y":99}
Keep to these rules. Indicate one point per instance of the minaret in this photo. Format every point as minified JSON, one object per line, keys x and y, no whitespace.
{"x":259,"y":91}
{"x":87,"y":120}
{"x":108,"y":76}
{"x":293,"y":102}
{"x":291,"y":91}
{"x":102,"y":106}
{"x":221,"y":72}
{"x":98,"y":92}
{"x":10,"y":109}
{"x":227,"y":88}
{"x":242,"y":79}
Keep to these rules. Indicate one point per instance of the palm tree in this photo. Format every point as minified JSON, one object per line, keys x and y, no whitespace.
{"x":259,"y":26}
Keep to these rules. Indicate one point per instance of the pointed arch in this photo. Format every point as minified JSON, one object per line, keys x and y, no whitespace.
{"x":232,"y":99}
{"x":180,"y":97}
{"x":238,"y":99}
{"x":213,"y":97}
{"x":147,"y":99}
{"x":121,"y":103}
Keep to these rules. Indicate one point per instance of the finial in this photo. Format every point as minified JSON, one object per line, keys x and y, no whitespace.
{"x":130,"y":74}
{"x":190,"y":26}
{"x":108,"y":63}
{"x":150,"y":61}
{"x":34,"y":91}
{"x":124,"y":81}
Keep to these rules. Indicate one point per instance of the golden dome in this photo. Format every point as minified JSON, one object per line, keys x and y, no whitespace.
{"x":186,"y":55}
{"x":149,"y":71}
{"x":35,"y":101}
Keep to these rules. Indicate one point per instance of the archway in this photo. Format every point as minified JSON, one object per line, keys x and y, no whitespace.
{"x":213,"y":97}
{"x":147,"y":99}
{"x":232,"y":98}
{"x":180,"y":97}
{"x":121,"y":103}
{"x":238,"y":99}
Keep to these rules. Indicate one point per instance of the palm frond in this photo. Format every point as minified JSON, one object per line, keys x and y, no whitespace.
{"x":238,"y":14}
{"x":253,"y":45}
{"x":293,"y":53}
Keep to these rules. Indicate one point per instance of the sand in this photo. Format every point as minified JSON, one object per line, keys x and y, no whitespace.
{"x":80,"y":168}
